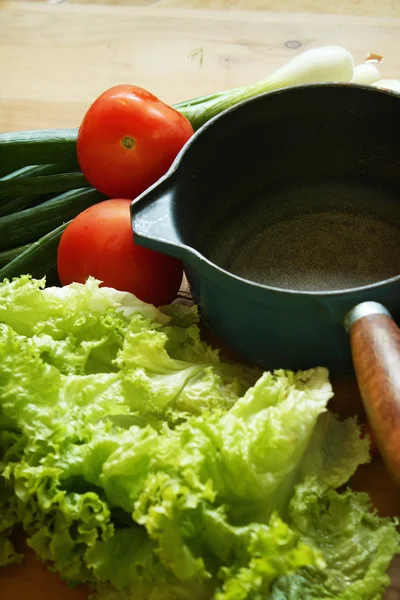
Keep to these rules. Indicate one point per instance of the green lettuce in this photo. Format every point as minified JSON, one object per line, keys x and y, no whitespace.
{"x":352,"y":540}
{"x":137,"y":460}
{"x":8,"y":519}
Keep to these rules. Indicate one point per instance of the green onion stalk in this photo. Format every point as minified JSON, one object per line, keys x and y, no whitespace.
{"x":317,"y":65}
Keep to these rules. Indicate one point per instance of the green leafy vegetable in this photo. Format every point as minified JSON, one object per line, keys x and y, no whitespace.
{"x":8,"y":519}
{"x":352,"y":539}
{"x":136,"y":460}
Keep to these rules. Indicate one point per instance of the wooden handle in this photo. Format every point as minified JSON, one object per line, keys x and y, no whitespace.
{"x":375,"y":347}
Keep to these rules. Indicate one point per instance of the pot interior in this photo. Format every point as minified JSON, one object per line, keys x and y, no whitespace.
{"x":315,"y":236}
{"x":298,"y":189}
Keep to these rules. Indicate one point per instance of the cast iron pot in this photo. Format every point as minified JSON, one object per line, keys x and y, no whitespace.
{"x":285,"y":211}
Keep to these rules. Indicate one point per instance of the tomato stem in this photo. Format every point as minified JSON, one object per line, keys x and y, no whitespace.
{"x":128,"y":142}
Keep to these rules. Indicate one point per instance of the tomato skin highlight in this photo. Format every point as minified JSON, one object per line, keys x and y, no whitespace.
{"x":128,"y":139}
{"x":99,"y":242}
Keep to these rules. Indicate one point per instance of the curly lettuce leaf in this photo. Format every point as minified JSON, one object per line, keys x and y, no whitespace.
{"x":248,"y":460}
{"x":335,"y":451}
{"x":85,"y":370}
{"x":273,"y":551}
{"x":143,"y":464}
{"x":8,"y":520}
{"x":31,"y":308}
{"x":356,"y":545}
{"x":87,"y":329}
{"x":259,"y":555}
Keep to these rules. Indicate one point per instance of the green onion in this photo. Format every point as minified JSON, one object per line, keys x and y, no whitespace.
{"x":44,"y":184}
{"x":318,"y":65}
{"x":16,"y":202}
{"x":39,"y":258}
{"x":366,"y":73}
{"x":203,"y":99}
{"x":35,"y":170}
{"x":8,"y":255}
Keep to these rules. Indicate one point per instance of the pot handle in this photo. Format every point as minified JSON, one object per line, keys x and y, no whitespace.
{"x":375,"y":347}
{"x":153,"y":218}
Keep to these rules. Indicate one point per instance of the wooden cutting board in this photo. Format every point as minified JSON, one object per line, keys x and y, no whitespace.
{"x":55,"y":59}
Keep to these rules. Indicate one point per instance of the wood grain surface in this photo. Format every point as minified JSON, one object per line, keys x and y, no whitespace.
{"x":56,"y":58}
{"x":383,"y":8}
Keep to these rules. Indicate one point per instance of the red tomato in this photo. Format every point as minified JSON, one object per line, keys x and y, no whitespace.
{"x":99,"y":242}
{"x":128,"y":139}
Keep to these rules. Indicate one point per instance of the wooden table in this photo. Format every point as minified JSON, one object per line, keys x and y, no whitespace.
{"x":363,"y":8}
{"x":56,"y":58}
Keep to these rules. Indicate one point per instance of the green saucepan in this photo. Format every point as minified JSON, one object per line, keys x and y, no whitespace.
{"x":285,"y":211}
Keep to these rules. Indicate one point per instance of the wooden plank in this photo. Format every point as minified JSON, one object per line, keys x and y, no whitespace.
{"x":385,"y":8}
{"x":55,"y":59}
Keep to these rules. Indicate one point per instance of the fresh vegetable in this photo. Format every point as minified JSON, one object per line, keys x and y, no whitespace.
{"x":45,"y":184}
{"x":38,"y":258}
{"x":38,"y":147}
{"x":128,"y":139}
{"x":318,"y":65}
{"x":99,"y":242}
{"x":365,"y":73}
{"x":7,"y":255}
{"x":30,"y":224}
{"x":16,"y":203}
{"x":139,"y":462}
{"x":8,"y":207}
{"x":33,"y":171}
